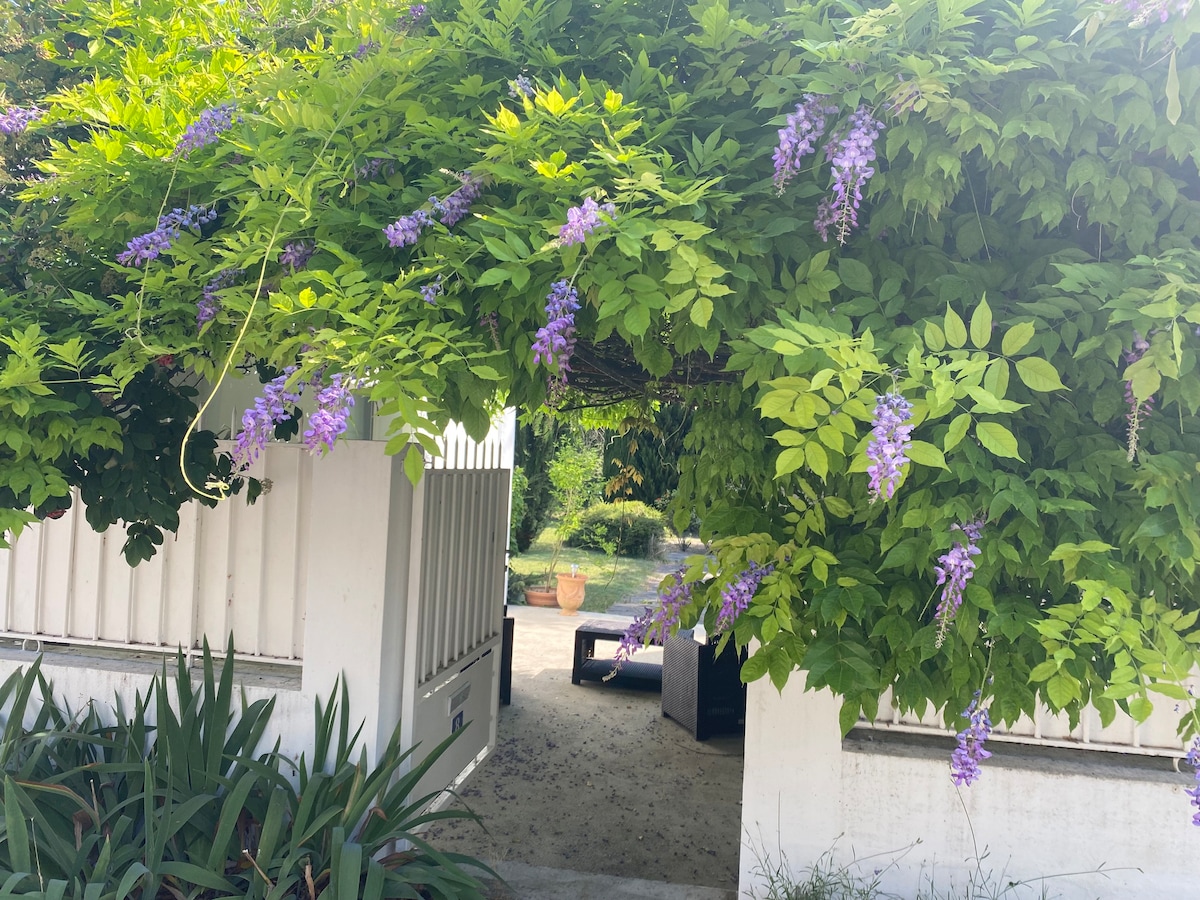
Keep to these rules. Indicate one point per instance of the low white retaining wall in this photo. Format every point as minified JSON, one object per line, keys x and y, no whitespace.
{"x":1036,"y":812}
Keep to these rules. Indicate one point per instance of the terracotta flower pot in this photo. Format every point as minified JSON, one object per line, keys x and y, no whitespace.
{"x":542,"y":595}
{"x":570,"y":593}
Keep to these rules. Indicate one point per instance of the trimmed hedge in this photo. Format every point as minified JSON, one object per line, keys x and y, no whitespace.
{"x":635,"y":528}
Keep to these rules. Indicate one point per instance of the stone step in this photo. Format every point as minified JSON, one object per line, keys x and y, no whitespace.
{"x":542,"y":883}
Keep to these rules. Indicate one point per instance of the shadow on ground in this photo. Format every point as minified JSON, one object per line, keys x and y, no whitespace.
{"x":592,"y":778}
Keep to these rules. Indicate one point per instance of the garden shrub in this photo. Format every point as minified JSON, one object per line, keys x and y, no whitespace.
{"x":631,"y":525}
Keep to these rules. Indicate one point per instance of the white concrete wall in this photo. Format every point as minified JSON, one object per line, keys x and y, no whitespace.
{"x":1034,"y":813}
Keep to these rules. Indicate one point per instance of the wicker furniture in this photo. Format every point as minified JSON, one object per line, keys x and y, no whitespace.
{"x":645,"y":676}
{"x":701,"y":691}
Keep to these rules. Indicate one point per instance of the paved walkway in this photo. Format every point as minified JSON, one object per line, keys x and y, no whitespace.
{"x":591,"y":780}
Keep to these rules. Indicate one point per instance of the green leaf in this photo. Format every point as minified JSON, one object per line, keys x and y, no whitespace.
{"x":1017,"y":337}
{"x":838,"y":507}
{"x":956,"y":331}
{"x":1062,"y":689}
{"x":637,"y":320}
{"x":981,"y":324}
{"x":957,"y":431}
{"x":1174,"y":107}
{"x":935,"y":338}
{"x":414,"y":463}
{"x":701,"y":312}
{"x":817,"y":459}
{"x":997,"y":439}
{"x":1039,"y":375}
{"x":855,"y":275}
{"x":755,"y":667}
{"x":926,"y":454}
{"x":1140,"y":708}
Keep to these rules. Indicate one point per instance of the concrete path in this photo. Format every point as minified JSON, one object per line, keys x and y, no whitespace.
{"x":541,"y":883}
{"x":592,"y":779}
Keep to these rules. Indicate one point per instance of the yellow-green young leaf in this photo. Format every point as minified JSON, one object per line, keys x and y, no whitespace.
{"x":770,"y":628}
{"x":956,"y":331}
{"x":790,"y":438}
{"x":414,"y":463}
{"x":1140,"y":708}
{"x":1062,"y":689}
{"x":1017,"y":337}
{"x":838,"y":507}
{"x":1039,"y":375}
{"x":487,"y":373}
{"x":1174,"y":107}
{"x":925,"y":454}
{"x":701,"y":312}
{"x":997,"y":439}
{"x":613,"y":100}
{"x":637,"y":320}
{"x":935,"y":338}
{"x":789,"y":461}
{"x":817,"y":459}
{"x":981,"y":324}
{"x":1043,"y":670}
{"x":1145,"y":383}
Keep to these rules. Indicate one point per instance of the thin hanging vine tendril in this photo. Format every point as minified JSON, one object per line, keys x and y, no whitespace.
{"x":245,"y":327}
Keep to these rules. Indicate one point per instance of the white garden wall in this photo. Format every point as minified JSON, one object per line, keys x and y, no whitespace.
{"x":1035,"y":812}
{"x":343,"y":569}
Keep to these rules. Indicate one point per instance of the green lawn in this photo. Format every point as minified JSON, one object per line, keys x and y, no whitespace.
{"x":610,"y":580}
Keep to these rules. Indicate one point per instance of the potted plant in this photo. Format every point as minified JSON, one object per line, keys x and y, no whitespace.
{"x":575,"y":474}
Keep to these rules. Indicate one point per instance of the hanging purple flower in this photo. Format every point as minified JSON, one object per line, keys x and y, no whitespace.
{"x":1138,"y":412}
{"x":411,"y":19}
{"x":521,"y":87}
{"x":148,"y":246}
{"x":955,"y":570}
{"x":296,"y":254}
{"x":430,"y":292}
{"x":657,"y":622}
{"x":405,"y":230}
{"x":888,"y":448}
{"x":207,"y":129}
{"x":970,"y":752}
{"x":582,"y":220}
{"x":735,"y":596}
{"x":275,"y":405}
{"x":365,"y":49}
{"x":555,"y":342}
{"x":15,"y":120}
{"x":804,"y":128}
{"x":1193,"y":760}
{"x":456,"y":206}
{"x":851,"y":153}
{"x":331,"y":417}
{"x":210,"y":304}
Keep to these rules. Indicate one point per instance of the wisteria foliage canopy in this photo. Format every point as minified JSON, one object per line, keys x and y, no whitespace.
{"x":1019,"y":281}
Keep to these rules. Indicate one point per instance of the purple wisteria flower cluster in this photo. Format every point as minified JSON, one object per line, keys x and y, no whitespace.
{"x":296,"y":254}
{"x":275,"y":405}
{"x":520,"y":87}
{"x":411,"y":19}
{"x":1193,"y":760}
{"x":736,"y":596}
{"x":405,"y":230}
{"x":330,"y":419}
{"x":850,"y":152}
{"x":148,"y":246}
{"x":798,"y":138}
{"x":582,"y":220}
{"x":1143,"y":12}
{"x":207,"y":129}
{"x":657,"y":622}
{"x":1138,"y":412}
{"x":373,"y":168}
{"x":555,"y":341}
{"x":456,"y":206}
{"x":16,"y":119}
{"x":970,"y":752}
{"x":210,"y":304}
{"x":430,"y":292}
{"x":956,"y":566}
{"x":887,"y":451}
{"x":365,"y":49}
